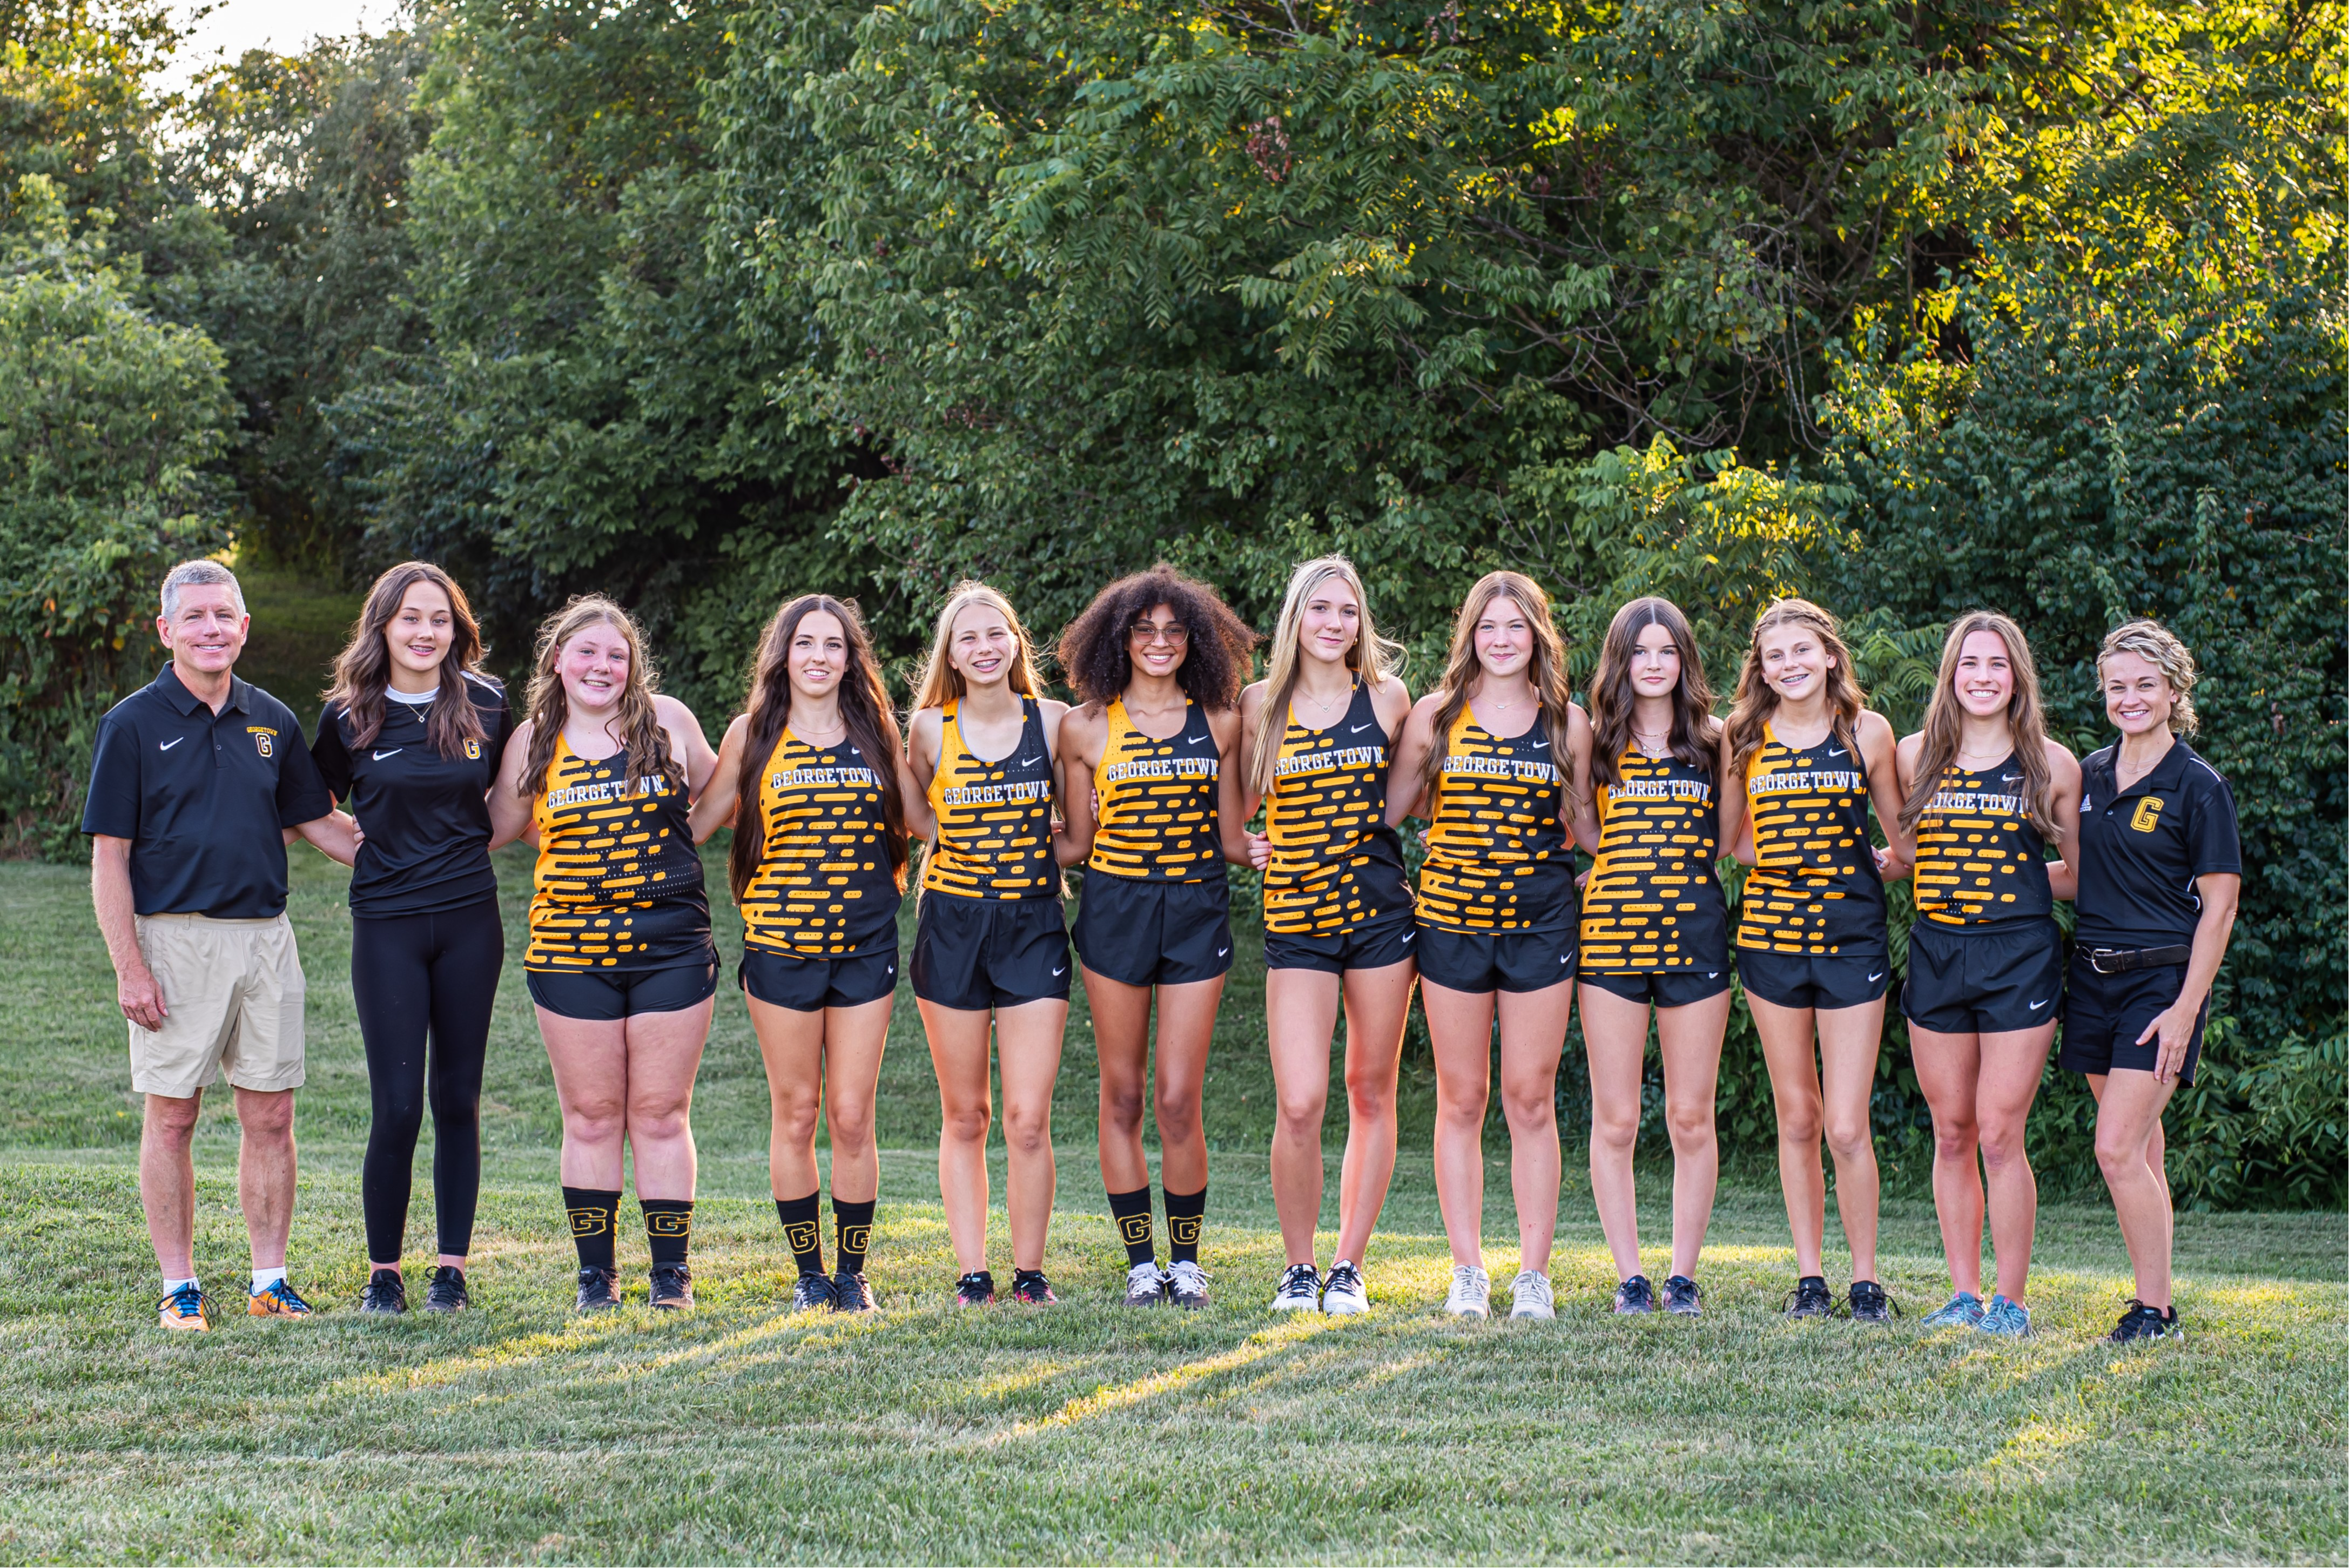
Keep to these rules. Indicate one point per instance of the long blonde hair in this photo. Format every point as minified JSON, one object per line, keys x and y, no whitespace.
{"x":1551,"y":687}
{"x":1945,"y":720}
{"x":641,"y":735}
{"x":1372,"y":658}
{"x":940,"y":682}
{"x":2157,"y":645}
{"x":1757,"y":699}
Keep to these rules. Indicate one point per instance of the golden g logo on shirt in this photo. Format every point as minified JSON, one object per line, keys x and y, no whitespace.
{"x":2147,"y":815}
{"x":472,"y":751}
{"x":263,"y":738}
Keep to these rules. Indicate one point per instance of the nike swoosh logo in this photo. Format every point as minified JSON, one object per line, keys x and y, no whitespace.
{"x":1358,"y":729}
{"x":1875,"y":977}
{"x":169,"y":744}
{"x":1538,"y":746}
{"x":1712,"y":975}
{"x":1029,"y":761}
{"x":1564,"y":956}
{"x":1063,"y":969}
{"x":1833,"y":752}
{"x":1221,"y":951}
{"x":2036,"y":1005}
{"x":393,"y":752}
{"x":1410,"y":935}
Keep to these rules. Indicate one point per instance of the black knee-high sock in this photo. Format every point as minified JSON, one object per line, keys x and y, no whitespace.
{"x":1132,"y":1213}
{"x":669,"y":1229}
{"x":802,"y":1231}
{"x":595,"y":1219}
{"x":852,"y":1227}
{"x":1183,"y":1213}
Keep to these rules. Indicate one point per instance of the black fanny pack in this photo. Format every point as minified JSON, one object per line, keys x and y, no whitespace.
{"x":2120,"y":961}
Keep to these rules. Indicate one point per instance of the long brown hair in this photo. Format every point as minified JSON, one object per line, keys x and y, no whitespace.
{"x":1945,"y":718}
{"x":1462,"y":669}
{"x":641,"y":735}
{"x":1372,"y":658}
{"x":864,"y":709}
{"x":1694,"y":731}
{"x":363,"y":669}
{"x":1757,"y":699}
{"x":941,"y":683}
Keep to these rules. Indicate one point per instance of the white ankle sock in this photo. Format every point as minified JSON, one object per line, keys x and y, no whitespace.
{"x":173,"y":1286}
{"x":264,"y":1278}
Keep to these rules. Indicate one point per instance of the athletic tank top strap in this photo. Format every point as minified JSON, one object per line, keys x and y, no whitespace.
{"x":1155,"y":801}
{"x":1814,"y":889}
{"x":995,"y":819}
{"x":618,"y":883}
{"x":1653,"y":900}
{"x":1336,"y":864}
{"x":1981,"y":860}
{"x":1499,"y":858}
{"x":825,"y":887}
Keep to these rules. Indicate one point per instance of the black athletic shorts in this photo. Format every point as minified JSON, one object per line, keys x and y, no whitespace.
{"x":812,"y":984}
{"x":607,"y":996}
{"x":1825,"y":981}
{"x":1390,"y":939}
{"x":1664,"y":988}
{"x":974,"y":954}
{"x":1485,"y":961}
{"x":1994,"y":981}
{"x":2104,"y":1014}
{"x":1140,"y":932}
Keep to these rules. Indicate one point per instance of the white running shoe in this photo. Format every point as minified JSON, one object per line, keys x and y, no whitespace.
{"x":1301,"y":1290}
{"x":1342,"y":1295}
{"x":1531,"y":1296}
{"x":1145,"y":1285}
{"x":1471,"y":1292}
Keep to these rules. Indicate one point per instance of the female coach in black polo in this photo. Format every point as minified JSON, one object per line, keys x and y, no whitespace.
{"x":2160,"y":870}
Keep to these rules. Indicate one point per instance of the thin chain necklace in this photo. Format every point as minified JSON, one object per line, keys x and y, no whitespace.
{"x":1326,"y":707}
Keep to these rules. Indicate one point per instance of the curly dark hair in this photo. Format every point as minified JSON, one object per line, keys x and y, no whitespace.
{"x":1092,"y":648}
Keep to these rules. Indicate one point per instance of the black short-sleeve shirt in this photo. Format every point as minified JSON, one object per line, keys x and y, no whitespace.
{"x":202,"y":797}
{"x":2141,"y":849}
{"x":425,"y":816}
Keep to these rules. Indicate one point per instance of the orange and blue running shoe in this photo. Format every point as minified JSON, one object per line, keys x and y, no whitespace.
{"x":183,"y":1309}
{"x":277,"y":1301}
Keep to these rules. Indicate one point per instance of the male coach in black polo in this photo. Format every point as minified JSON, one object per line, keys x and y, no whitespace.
{"x":200,"y":782}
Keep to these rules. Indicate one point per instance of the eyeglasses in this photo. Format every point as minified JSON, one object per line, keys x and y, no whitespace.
{"x":1173,"y":634}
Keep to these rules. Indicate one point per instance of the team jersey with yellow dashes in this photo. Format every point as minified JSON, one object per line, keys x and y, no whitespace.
{"x":825,"y":887}
{"x":995,"y":819}
{"x":1653,"y":900}
{"x":1336,"y":864}
{"x":1814,"y":888}
{"x":618,"y":884}
{"x":1156,"y":802}
{"x":1980,"y":859}
{"x":1499,"y":858}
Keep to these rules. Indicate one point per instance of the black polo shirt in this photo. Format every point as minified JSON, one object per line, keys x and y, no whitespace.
{"x":2141,"y":849}
{"x":202,"y":797}
{"x":426,"y":815}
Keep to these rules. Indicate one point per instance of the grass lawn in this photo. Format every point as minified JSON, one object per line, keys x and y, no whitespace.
{"x":517,"y":1431}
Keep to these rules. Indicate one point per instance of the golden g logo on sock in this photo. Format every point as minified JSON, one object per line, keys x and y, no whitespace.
{"x":667,"y":1223}
{"x":590,"y":1222}
{"x":855,"y":1238}
{"x":1134,"y":1229}
{"x":1183,"y":1230}
{"x":799,"y":1235}
{"x":2147,"y":815}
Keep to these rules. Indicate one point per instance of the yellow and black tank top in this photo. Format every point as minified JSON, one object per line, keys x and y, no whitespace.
{"x":1336,"y":864}
{"x":1981,"y":860}
{"x":1814,"y":889}
{"x":1653,"y":900}
{"x":995,"y":819}
{"x":1499,"y":858}
{"x":1156,"y":811}
{"x":618,"y":883}
{"x":825,"y":887}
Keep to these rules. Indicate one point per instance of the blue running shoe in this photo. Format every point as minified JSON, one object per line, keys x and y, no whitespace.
{"x":1963,"y":1310}
{"x":2010,"y":1318}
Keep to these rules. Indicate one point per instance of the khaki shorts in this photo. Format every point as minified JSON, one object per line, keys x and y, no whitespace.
{"x":233,"y":997}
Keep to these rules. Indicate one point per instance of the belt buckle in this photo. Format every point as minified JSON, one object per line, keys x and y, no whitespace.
{"x":2096,"y":957}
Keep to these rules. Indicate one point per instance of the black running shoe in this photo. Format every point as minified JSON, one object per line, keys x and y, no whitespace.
{"x":976,"y":1288}
{"x":1030,"y":1286}
{"x":1683,"y":1298}
{"x":1870,"y":1304}
{"x":447,"y":1291}
{"x":1635,"y":1295}
{"x":2141,"y":1322}
{"x":672,"y":1287}
{"x":813,"y":1293}
{"x":386,"y":1293}
{"x":1809,"y":1298}
{"x":851,"y":1293}
{"x":595,"y":1292}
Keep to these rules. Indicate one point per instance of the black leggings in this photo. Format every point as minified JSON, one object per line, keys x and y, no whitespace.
{"x":407,"y":972}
